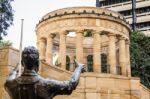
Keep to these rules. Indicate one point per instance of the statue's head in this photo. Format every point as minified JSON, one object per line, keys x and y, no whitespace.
{"x":30,"y":58}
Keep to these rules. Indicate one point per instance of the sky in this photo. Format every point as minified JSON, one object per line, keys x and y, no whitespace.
{"x":32,"y":11}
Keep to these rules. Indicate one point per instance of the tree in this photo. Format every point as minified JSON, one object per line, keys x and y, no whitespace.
{"x":5,"y":44}
{"x":6,"y":16}
{"x":140,"y":57}
{"x":87,"y":33}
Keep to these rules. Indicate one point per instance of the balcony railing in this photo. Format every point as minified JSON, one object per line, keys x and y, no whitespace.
{"x":112,"y":2}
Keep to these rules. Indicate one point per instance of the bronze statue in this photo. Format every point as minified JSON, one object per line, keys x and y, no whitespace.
{"x":30,"y":85}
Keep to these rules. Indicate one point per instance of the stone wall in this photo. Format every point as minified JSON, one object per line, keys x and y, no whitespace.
{"x":9,"y":57}
{"x":145,"y":92}
{"x":99,"y":86}
{"x":91,"y":85}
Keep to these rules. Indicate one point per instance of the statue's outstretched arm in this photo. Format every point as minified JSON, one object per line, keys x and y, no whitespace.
{"x":13,"y":74}
{"x":76,"y":75}
{"x":65,"y":87}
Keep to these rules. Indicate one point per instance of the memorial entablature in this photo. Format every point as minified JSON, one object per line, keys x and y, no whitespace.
{"x":87,"y":34}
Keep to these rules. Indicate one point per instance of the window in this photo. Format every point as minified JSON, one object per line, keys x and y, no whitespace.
{"x":143,"y":25}
{"x":138,"y":11}
{"x":90,"y":63}
{"x":110,"y":2}
{"x":104,"y":63}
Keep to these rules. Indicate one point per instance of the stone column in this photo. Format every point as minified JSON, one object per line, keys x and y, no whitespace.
{"x":62,"y":49}
{"x":79,"y":46}
{"x":96,"y":52}
{"x":128,"y":58}
{"x":49,"y":49}
{"x":122,"y":56}
{"x":72,"y":63}
{"x":37,"y":44}
{"x":42,"y":48}
{"x":112,"y":54}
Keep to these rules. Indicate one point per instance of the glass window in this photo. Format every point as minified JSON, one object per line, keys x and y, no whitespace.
{"x":110,"y":2}
{"x":90,"y":63}
{"x":104,"y":63}
{"x":138,"y":11}
{"x":143,"y":25}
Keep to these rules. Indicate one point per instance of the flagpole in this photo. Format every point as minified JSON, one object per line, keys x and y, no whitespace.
{"x":20,"y":47}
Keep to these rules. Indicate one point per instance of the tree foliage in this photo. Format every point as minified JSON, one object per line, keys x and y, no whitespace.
{"x":87,"y":33}
{"x":140,"y":57}
{"x":6,"y":16}
{"x":5,"y":44}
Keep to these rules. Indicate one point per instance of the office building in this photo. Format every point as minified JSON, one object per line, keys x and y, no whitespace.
{"x":124,"y":7}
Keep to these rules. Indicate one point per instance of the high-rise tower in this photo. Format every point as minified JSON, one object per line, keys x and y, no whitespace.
{"x":124,"y":7}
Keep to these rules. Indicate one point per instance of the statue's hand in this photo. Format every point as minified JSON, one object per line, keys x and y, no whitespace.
{"x":16,"y":68}
{"x":14,"y":73}
{"x":83,"y":69}
{"x":81,"y":65}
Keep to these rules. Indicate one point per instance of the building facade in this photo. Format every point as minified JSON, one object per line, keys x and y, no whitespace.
{"x":85,"y":34}
{"x":124,"y":7}
{"x":88,"y":34}
{"x":9,"y":58}
{"x":109,"y":36}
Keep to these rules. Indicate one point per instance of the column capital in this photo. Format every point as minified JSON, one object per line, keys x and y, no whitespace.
{"x":79,"y":31}
{"x":96,"y":32}
{"x":63,"y":32}
{"x":128,"y":42}
{"x":122,"y":38}
{"x":111,"y":34}
{"x":42,"y":40}
{"x":51,"y":35}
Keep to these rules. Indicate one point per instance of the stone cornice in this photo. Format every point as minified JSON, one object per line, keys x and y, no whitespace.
{"x":97,"y":12}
